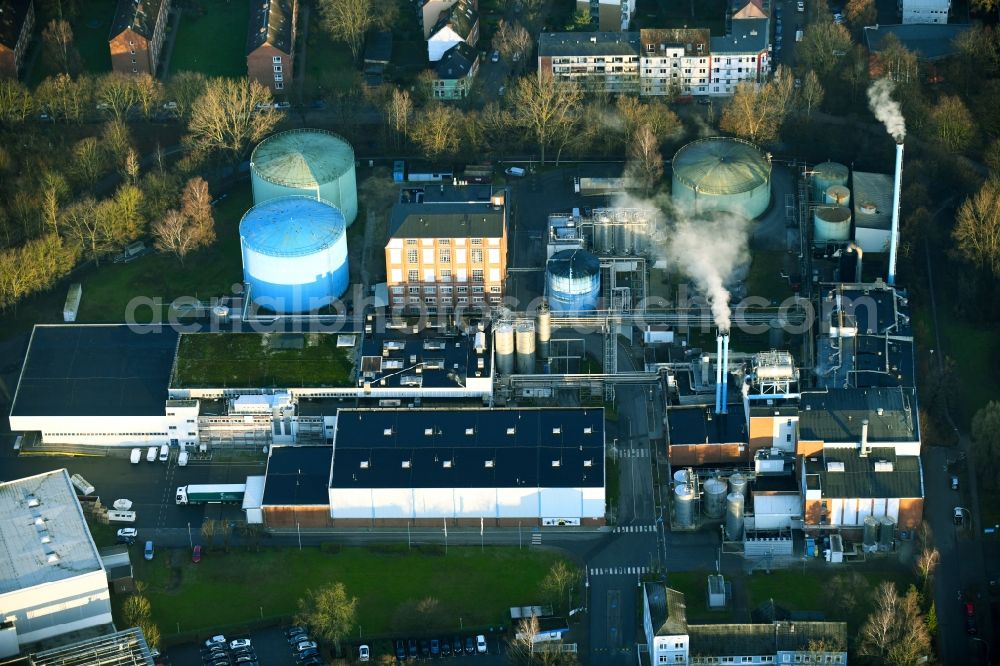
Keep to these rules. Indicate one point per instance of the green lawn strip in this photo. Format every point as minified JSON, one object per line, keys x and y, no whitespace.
{"x":91,"y":32}
{"x":238,"y":587}
{"x":971,"y":346}
{"x":694,"y":585}
{"x":329,"y":65}
{"x":213,"y":43}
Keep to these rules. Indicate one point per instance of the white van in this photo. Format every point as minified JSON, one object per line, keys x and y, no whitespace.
{"x":136,"y":456}
{"x":182,"y":458}
{"x":151,"y":454}
{"x":515,"y":171}
{"x":164,"y":452}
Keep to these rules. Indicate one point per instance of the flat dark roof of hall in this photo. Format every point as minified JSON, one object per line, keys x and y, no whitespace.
{"x":297,"y":476}
{"x":95,"y":370}
{"x":469,"y":448}
{"x":701,"y":425}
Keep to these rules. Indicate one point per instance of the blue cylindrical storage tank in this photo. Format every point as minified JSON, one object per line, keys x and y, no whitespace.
{"x":573,"y":281}
{"x":294,"y":254}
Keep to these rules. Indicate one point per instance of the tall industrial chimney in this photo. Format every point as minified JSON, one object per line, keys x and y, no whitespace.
{"x":718,"y":373}
{"x":723,"y":400}
{"x":897,"y":185}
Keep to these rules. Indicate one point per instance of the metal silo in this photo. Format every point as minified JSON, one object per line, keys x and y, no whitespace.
{"x":734,"y":516}
{"x":308,"y":162}
{"x":504,"y":344}
{"x":524,"y":338}
{"x":544,"y":330}
{"x":869,"y":539}
{"x":886,"y":533}
{"x":838,"y":195}
{"x":826,"y":174}
{"x":684,"y":505}
{"x":623,"y":239}
{"x":738,"y":484}
{"x":603,"y":237}
{"x":294,"y":254}
{"x":573,"y":281}
{"x":715,"y":497}
{"x":720,"y":173}
{"x":831,"y":223}
{"x":680,"y":477}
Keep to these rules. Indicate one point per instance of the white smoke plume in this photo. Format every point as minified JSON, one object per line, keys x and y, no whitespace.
{"x":886,"y":109}
{"x":709,"y":249}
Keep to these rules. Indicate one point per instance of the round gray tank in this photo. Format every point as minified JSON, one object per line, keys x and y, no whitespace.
{"x":738,"y":484}
{"x":734,"y":516}
{"x":826,"y":174}
{"x":722,"y":173}
{"x":504,"y":334}
{"x":680,"y":477}
{"x":838,"y":195}
{"x":714,"y":497}
{"x":603,"y":236}
{"x":684,"y":506}
{"x":573,"y":281}
{"x":886,"y":533}
{"x":831,"y":223}
{"x":544,"y":328}
{"x":869,"y":540}
{"x":623,"y":240}
{"x":524,"y":335}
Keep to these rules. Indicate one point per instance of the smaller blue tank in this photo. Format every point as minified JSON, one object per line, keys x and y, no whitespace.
{"x":573,"y":281}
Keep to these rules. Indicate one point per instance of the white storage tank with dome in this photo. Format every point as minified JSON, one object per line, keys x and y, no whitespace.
{"x":826,"y":174}
{"x":721,"y":173}
{"x":831,"y":223}
{"x":308,"y":162}
{"x":715,"y":491}
{"x":684,"y":497}
{"x":294,"y":254}
{"x":734,"y":516}
{"x":573,"y":281}
{"x":738,"y":484}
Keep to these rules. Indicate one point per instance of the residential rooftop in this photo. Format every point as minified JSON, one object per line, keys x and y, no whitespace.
{"x":456,"y":63}
{"x":43,"y":534}
{"x":469,"y":448}
{"x":747,"y":36}
{"x":297,"y":476}
{"x":460,"y":17}
{"x":667,"y":609}
{"x":695,"y":41}
{"x":555,"y":44}
{"x":139,"y":15}
{"x":764,"y":639}
{"x":271,"y":22}
{"x":930,"y":41}
{"x":95,"y":370}
{"x":837,"y":415}
{"x":840,"y":472}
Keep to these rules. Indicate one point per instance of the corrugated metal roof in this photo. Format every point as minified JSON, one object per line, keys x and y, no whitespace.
{"x":701,"y":425}
{"x":859,"y":479}
{"x":837,"y":415}
{"x":874,"y":188}
{"x":721,"y":165}
{"x":297,"y":476}
{"x":292,"y":226}
{"x":302,"y":157}
{"x":122,"y":648}
{"x":446,"y":220}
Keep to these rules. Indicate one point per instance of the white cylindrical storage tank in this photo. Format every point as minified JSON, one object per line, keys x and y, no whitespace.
{"x":838,"y":195}
{"x":734,"y":516}
{"x":544,"y":330}
{"x":680,"y":477}
{"x":869,"y":539}
{"x":826,"y":174}
{"x":573,"y":281}
{"x":684,"y":505}
{"x":722,"y":173}
{"x":714,"y":497}
{"x":308,"y":162}
{"x":831,"y":223}
{"x":886,"y":532}
{"x":294,"y":254}
{"x":738,"y":484}
{"x":623,"y":239}
{"x":603,"y":236}
{"x":504,"y":344}
{"x":524,"y":337}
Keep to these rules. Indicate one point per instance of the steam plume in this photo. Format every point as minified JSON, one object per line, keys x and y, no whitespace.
{"x":708,"y":250}
{"x":886,"y":109}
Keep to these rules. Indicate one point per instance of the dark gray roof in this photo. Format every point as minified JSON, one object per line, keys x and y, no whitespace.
{"x":456,"y":62}
{"x":667,"y":609}
{"x":881,"y":361}
{"x":746,"y":36}
{"x":796,"y":636}
{"x":462,"y":17}
{"x":860,"y":478}
{"x":721,"y":640}
{"x":297,"y":476}
{"x":872,"y":308}
{"x":271,"y":22}
{"x":140,"y":15}
{"x":446,"y":220}
{"x":837,"y":415}
{"x":930,"y":41}
{"x":469,"y":448}
{"x":378,"y":47}
{"x":701,"y":425}
{"x":95,"y":370}
{"x":588,"y":43}
{"x":688,"y":38}
{"x":12,"y":15}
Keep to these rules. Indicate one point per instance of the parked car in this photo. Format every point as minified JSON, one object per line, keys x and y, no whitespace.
{"x":307,"y":654}
{"x":481,"y":644}
{"x":151,"y":454}
{"x":196,"y":558}
{"x":445,"y":647}
{"x":164,"y":452}
{"x":400,"y":651}
{"x":364,"y":654}
{"x":495,"y":57}
{"x":470,"y":645}
{"x":435,"y":647}
{"x":959,"y":515}
{"x":411,"y":648}
{"x":148,"y":550}
{"x":425,"y":648}
{"x":127,"y":535}
{"x":214,"y":640}
{"x":954,"y":482}
{"x":515,"y":171}
{"x":305,"y":645}
{"x":239,"y":642}
{"x":136,"y":456}
{"x":800,"y":6}
{"x":970,"y":619}
{"x":295,"y":630}
{"x":294,"y":639}
{"x":456,"y":646}
{"x":244,"y":659}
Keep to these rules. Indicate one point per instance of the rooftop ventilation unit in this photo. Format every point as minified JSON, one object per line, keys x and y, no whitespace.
{"x":883,"y":466}
{"x":365,"y":464}
{"x":835,"y":467}
{"x":407,"y":464}
{"x":488,"y":464}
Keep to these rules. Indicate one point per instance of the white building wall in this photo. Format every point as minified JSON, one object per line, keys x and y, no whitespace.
{"x":924,"y":11}
{"x":98,"y":430}
{"x":433,"y":502}
{"x":517,"y":502}
{"x":56,"y":608}
{"x":393,"y":503}
{"x":594,"y":502}
{"x":773,"y":512}
{"x":561,"y":502}
{"x":661,"y":75}
{"x":730,"y":69}
{"x":474,"y":502}
{"x":351,"y":503}
{"x":417,"y":503}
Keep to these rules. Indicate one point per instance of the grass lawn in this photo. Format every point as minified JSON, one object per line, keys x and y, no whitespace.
{"x":330,"y":67}
{"x":214,"y":42}
{"x":478,"y":587}
{"x":972,"y":346}
{"x":279,"y":360}
{"x":91,"y":30}
{"x":694,"y":585}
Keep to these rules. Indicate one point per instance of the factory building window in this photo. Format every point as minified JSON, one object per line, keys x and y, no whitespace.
{"x":397,"y":290}
{"x":414,"y":290}
{"x":411,"y":256}
{"x":413,"y":276}
{"x":445,"y":274}
{"x":477,"y":241}
{"x":278,"y":85}
{"x":477,"y":275}
{"x":477,"y":299}
{"x":411,"y":241}
{"x":477,"y":256}
{"x":444,"y":257}
{"x":444,"y":241}
{"x":276,"y":59}
{"x":463,"y":290}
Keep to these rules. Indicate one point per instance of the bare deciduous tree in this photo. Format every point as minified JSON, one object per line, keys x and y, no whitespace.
{"x":511,"y":39}
{"x":60,"y":52}
{"x":521,"y":645}
{"x":183,"y":89}
{"x":65,"y":98}
{"x":549,"y":111}
{"x":645,"y":164}
{"x":15,"y":101}
{"x":148,"y":93}
{"x":860,"y":13}
{"x":329,"y":611}
{"x":116,"y":94}
{"x":895,"y":632}
{"x":757,"y":112}
{"x":811,"y":93}
{"x":88,"y":161}
{"x":349,"y":20}
{"x":116,"y":141}
{"x":437,"y":130}
{"x":398,"y":109}
{"x":558,"y":584}
{"x":823,"y":45}
{"x":230,"y":116}
{"x":953,"y":124}
{"x":977,"y":228}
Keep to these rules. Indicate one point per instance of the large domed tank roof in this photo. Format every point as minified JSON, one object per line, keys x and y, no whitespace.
{"x":292,"y":226}
{"x":721,"y":165}
{"x":574,"y":263}
{"x":302,"y":157}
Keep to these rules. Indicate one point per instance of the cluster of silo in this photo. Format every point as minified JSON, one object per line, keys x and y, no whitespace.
{"x":621,"y":232}
{"x":544,"y":320}
{"x":735,"y":501}
{"x":722,"y":174}
{"x":294,"y":253}
{"x":503,"y":334}
{"x":307,"y":162}
{"x":573,"y":281}
{"x":832,"y":213}
{"x":685,"y":496}
{"x":524,"y":342}
{"x":714,"y":493}
{"x":831,"y":223}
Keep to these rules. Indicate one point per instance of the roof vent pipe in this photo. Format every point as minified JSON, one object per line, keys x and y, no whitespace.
{"x":864,"y":439}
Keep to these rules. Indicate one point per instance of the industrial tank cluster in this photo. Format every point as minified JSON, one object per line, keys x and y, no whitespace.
{"x":573,"y":281}
{"x":294,"y":239}
{"x":722,"y":174}
{"x":720,"y":500}
{"x":832,"y":216}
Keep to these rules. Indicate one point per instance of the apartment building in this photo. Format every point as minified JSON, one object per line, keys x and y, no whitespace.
{"x":675,"y":61}
{"x":137,"y":34}
{"x":271,"y":43}
{"x":608,"y":14}
{"x":740,"y":56}
{"x":924,"y":11}
{"x":455,"y":72}
{"x":17,"y":18}
{"x":597,"y":61}
{"x":448,"y":252}
{"x":458,"y":23}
